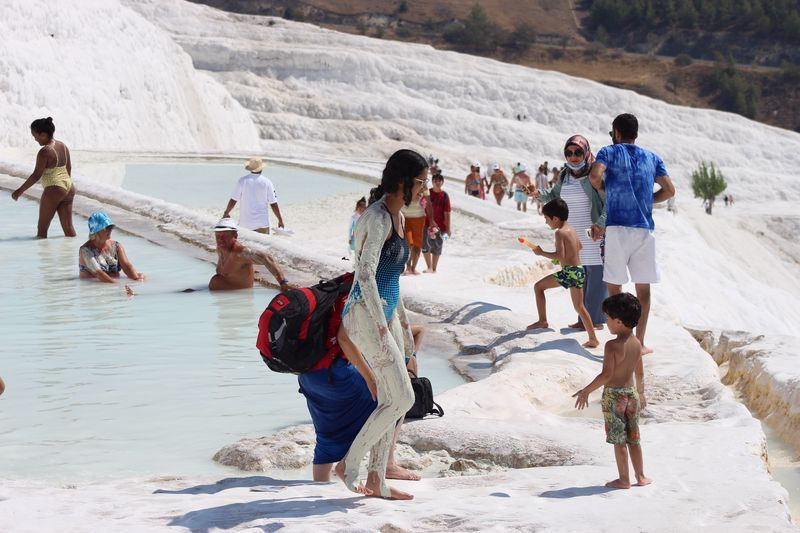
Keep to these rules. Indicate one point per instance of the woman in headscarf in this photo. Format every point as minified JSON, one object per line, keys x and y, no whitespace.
{"x":587,"y":216}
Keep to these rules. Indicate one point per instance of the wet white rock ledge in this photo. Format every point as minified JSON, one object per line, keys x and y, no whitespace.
{"x":765,"y":370}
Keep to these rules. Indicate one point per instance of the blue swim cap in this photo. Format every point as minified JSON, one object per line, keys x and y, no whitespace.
{"x":99,"y":221}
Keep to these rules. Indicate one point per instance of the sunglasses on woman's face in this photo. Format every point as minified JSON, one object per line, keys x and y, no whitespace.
{"x":418,"y":180}
{"x":576,"y":153}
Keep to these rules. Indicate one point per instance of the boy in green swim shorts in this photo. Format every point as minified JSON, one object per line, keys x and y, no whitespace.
{"x":623,"y":395}
{"x":572,"y":275}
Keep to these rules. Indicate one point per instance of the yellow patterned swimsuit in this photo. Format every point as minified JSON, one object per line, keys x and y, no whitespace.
{"x":57,"y":175}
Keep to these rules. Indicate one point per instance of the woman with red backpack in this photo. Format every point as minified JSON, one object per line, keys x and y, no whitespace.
{"x":374,"y":319}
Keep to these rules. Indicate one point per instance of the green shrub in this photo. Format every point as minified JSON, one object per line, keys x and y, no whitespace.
{"x":708,"y":183}
{"x":683,"y":60}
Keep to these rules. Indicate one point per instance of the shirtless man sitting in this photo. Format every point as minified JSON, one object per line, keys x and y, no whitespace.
{"x":235,"y":261}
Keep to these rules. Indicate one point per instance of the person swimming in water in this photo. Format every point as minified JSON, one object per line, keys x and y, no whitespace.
{"x":54,"y":168}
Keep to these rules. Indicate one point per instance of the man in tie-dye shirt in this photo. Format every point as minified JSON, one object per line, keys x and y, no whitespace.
{"x":628,"y":174}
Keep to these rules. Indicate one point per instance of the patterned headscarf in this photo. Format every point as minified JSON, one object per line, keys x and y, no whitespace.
{"x":588,"y":156}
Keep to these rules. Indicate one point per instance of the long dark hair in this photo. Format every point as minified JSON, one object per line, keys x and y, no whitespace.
{"x":401,"y":169}
{"x":44,"y":125}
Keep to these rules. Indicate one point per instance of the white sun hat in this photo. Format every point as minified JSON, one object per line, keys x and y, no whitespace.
{"x":226,"y":224}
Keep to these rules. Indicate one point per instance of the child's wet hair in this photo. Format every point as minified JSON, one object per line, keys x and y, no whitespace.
{"x":556,"y":208}
{"x":625,"y":307}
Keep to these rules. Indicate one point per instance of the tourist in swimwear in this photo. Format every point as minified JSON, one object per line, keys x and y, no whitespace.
{"x":54,"y":168}
{"x":498,"y":183}
{"x":375,"y":319}
{"x":522,"y":183}
{"x":472,"y":183}
{"x":235,"y":261}
{"x":102,"y":258}
{"x":586,"y":214}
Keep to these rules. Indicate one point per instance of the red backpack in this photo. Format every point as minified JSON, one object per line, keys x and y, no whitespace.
{"x":298,"y":328}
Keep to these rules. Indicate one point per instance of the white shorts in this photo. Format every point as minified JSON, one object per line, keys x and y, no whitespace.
{"x":630,"y":250}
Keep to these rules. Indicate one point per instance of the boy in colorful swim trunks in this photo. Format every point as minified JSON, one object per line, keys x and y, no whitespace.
{"x":623,"y":396}
{"x":572,"y":275}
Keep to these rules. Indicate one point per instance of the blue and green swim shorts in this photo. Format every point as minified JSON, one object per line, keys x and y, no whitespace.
{"x":571,"y":277}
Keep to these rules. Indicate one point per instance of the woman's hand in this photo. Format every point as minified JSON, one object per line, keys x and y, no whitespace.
{"x":597,"y":232}
{"x":16,"y":194}
{"x":140,"y":276}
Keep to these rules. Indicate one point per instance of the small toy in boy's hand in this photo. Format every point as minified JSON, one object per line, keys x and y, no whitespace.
{"x":530,"y":245}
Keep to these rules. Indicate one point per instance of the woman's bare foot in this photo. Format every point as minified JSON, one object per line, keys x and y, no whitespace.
{"x":358,"y":488}
{"x":397,"y":472}
{"x":641,"y":481}
{"x":539,"y":324}
{"x":646,"y":350}
{"x":374,"y":487}
{"x":618,"y":484}
{"x":577,"y":325}
{"x":591,"y":343}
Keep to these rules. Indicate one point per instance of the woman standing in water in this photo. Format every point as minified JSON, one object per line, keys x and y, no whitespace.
{"x":54,"y":168}
{"x":375,"y":319}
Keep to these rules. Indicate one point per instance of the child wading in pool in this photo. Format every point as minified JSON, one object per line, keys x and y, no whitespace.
{"x":621,"y":400}
{"x":572,"y":275}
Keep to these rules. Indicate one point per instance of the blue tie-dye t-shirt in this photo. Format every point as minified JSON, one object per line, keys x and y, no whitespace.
{"x":631,"y":172}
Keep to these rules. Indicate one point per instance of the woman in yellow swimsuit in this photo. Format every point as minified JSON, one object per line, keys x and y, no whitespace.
{"x":54,"y":168}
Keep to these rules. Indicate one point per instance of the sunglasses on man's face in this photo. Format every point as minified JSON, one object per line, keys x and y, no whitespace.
{"x":576,"y":153}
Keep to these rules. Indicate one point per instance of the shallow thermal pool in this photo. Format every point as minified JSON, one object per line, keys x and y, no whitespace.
{"x":206,"y":184}
{"x":101,"y":385}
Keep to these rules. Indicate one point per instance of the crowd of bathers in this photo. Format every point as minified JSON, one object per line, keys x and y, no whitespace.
{"x":600,"y":207}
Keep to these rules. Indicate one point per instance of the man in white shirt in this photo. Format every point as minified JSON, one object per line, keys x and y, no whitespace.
{"x":254,"y":192}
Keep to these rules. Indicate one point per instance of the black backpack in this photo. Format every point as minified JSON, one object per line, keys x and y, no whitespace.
{"x":298,"y":328}
{"x":423,"y":399}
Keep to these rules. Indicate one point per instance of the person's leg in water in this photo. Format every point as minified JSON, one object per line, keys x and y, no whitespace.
{"x":64,"y":210}
{"x":48,"y":205}
{"x":577,"y":303}
{"x":643,"y":294}
{"x":395,"y":397}
{"x":547,"y":282}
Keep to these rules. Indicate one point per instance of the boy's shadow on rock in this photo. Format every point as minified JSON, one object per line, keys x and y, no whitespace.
{"x":565,"y":345}
{"x":471,"y":311}
{"x":255,"y":483}
{"x":575,"y":492}
{"x":473,"y":349}
{"x":227,"y":517}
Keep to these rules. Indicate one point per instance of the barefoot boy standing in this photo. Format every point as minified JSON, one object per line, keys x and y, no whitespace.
{"x":621,"y":402}
{"x":572,"y":275}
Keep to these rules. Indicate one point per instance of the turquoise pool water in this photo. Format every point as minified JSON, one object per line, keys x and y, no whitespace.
{"x":101,"y":385}
{"x":205,"y":184}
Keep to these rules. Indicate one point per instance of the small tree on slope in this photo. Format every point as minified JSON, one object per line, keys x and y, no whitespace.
{"x":707,"y":183}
